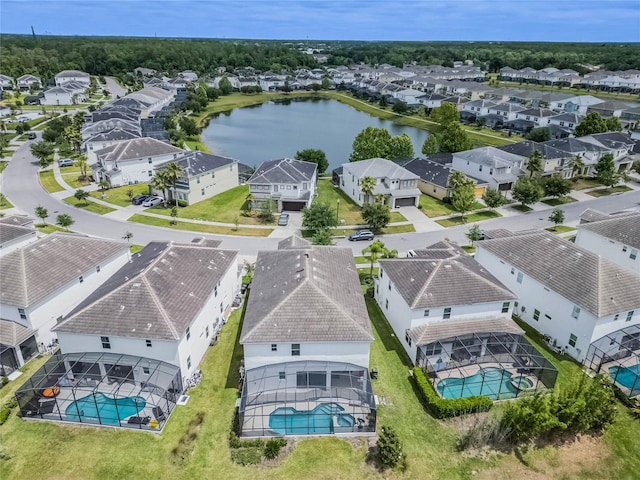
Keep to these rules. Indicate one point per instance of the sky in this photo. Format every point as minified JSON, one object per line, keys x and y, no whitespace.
{"x":418,"y":20}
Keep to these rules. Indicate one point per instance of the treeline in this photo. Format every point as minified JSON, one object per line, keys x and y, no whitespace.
{"x":47,"y":55}
{"x":491,"y":55}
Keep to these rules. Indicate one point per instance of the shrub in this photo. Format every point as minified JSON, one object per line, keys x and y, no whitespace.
{"x":13,"y":403}
{"x":447,"y":407}
{"x":246,"y":455}
{"x":389,"y":448}
{"x":273,"y":446}
{"x":4,"y":415}
{"x":4,"y":381}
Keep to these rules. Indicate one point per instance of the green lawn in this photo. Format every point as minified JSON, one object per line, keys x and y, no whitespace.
{"x":522,"y":208}
{"x":345,"y":232}
{"x":360,"y":259}
{"x":118,"y":195}
{"x":469,"y":218}
{"x":135,"y":248}
{"x":88,"y":205}
{"x":4,"y":203}
{"x":583,"y":183}
{"x":554,"y":202}
{"x":560,"y":229}
{"x":71,"y":176}
{"x":432,"y":207}
{"x":49,"y":182}
{"x":198,"y":227}
{"x":469,"y":248}
{"x":3,"y":165}
{"x":603,"y":192}
{"x":196,"y":144}
{"x":49,"y":228}
{"x":37,"y":121}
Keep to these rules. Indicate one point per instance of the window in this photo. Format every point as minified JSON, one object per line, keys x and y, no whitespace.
{"x":206,"y":330}
{"x":389,"y":285}
{"x":231,"y":167}
{"x":519,"y":278}
{"x":215,"y":291}
{"x":198,"y":180}
{"x":513,"y":270}
{"x":150,"y":172}
{"x":576,"y":312}
{"x":295,"y":187}
{"x":386,"y":304}
{"x":22,"y":313}
{"x":311,"y":379}
{"x":447,"y":313}
{"x":59,"y":319}
{"x":624,"y":248}
{"x":221,"y":307}
{"x":274,"y":347}
{"x":432,"y":349}
{"x":97,"y":268}
{"x":505,"y":307}
{"x":202,"y":191}
{"x":295,"y":349}
{"x":426,"y":312}
{"x":146,"y":370}
{"x":148,"y":342}
{"x":573,"y":340}
{"x":616,"y":317}
{"x":149,"y":160}
{"x":105,"y":342}
{"x":188,"y":332}
{"x":288,"y":187}
{"x":282,"y":375}
{"x":189,"y":361}
{"x":81,"y":278}
{"x":536,"y":314}
{"x":381,"y":272}
{"x":407,"y":338}
{"x":304,"y":186}
{"x":634,"y":254}
{"x":480,"y":168}
{"x":213,"y":175}
{"x":629,"y":316}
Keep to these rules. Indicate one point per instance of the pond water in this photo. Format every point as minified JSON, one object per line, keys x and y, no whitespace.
{"x":275,"y":130}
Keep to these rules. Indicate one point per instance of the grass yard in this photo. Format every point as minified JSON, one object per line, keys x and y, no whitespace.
{"x":88,"y":205}
{"x":362,"y":259}
{"x":196,"y":144}
{"x":49,"y":183}
{"x":49,"y":228}
{"x":560,"y":229}
{"x":603,"y":192}
{"x":522,"y":208}
{"x":345,"y":232}
{"x":3,"y":165}
{"x":4,"y":203}
{"x":469,"y":248}
{"x":201,"y":228}
{"x":554,"y":202}
{"x":118,"y":195}
{"x":135,"y":248}
{"x":469,"y":218}
{"x":71,"y":176}
{"x":432,"y":207}
{"x":583,"y":183}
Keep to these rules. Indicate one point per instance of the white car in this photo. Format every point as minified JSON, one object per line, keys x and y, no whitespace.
{"x":151,"y":201}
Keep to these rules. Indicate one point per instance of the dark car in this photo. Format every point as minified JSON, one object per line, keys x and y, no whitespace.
{"x":32,"y":136}
{"x":138,"y":199}
{"x":361,"y":235}
{"x":283,"y":221}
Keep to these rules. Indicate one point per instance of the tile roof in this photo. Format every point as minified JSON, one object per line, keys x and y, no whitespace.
{"x":20,"y":220}
{"x":32,"y":273}
{"x":582,"y":277}
{"x":440,"y":279}
{"x":439,"y":251}
{"x":592,"y":215}
{"x":156,"y":295}
{"x":425,"y":334}
{"x":9,"y":232}
{"x":284,"y":170}
{"x":379,"y":168}
{"x":12,"y":334}
{"x":293,"y":242}
{"x":310,"y":295}
{"x":624,"y":229}
{"x":136,"y":148}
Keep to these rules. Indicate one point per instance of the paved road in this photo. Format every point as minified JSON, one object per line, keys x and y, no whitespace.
{"x":22,"y":188}
{"x":115,"y":88}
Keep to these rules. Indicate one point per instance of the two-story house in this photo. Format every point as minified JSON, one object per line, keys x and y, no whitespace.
{"x":25,"y":82}
{"x":67,"y":76}
{"x":499,"y":169}
{"x":434,"y":177}
{"x":290,"y":183}
{"x":554,"y":161}
{"x":398,"y":185}
{"x":15,"y":232}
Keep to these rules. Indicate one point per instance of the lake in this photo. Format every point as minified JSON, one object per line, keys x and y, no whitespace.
{"x":275,"y":130}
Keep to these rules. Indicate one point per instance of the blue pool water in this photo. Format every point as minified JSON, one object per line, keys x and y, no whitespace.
{"x":627,"y":376}
{"x":289,"y":421}
{"x":492,"y":382}
{"x":105,"y":409}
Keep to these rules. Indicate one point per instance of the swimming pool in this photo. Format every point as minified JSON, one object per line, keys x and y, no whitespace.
{"x":627,"y":376}
{"x":103,"y":409}
{"x":492,"y":382}
{"x":289,"y":421}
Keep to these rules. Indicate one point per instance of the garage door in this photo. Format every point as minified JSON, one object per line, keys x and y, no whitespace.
{"x":293,"y":206}
{"x":405,"y":202}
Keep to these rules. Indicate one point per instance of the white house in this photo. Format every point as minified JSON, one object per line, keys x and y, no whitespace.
{"x":568,"y":293}
{"x":16,"y":231}
{"x":617,"y":238}
{"x":506,"y":110}
{"x":67,"y":76}
{"x":167,"y":304}
{"x":204,"y":175}
{"x":6,"y":82}
{"x":290,"y":183}
{"x":152,"y":99}
{"x":132,"y":161}
{"x":25,"y":82}
{"x":107,"y":138}
{"x":45,"y":280}
{"x":306,"y":337}
{"x":398,"y":185}
{"x":498,"y":168}
{"x":69,"y":93}
{"x":479,"y":107}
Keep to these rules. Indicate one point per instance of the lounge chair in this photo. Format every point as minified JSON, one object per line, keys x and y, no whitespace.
{"x":139,"y":420}
{"x":159,"y":414}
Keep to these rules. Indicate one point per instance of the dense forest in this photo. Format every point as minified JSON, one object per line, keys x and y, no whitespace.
{"x":46,"y":55}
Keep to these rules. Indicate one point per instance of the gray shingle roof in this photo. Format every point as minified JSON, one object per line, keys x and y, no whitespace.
{"x":582,"y":277}
{"x":293,"y":242}
{"x":311,"y":295}
{"x":284,"y":170}
{"x":21,"y":220}
{"x":443,"y":280}
{"x":425,"y":334}
{"x":439,"y":250}
{"x":32,"y":273}
{"x":136,"y":148}
{"x":592,"y":215}
{"x":490,"y":156}
{"x":10,"y":232}
{"x":156,"y":295}
{"x":379,"y":168}
{"x":196,"y":163}
{"x":13,"y":334}
{"x":527,"y":147}
{"x":625,"y":229}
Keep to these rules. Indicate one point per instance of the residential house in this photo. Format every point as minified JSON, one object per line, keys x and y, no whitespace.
{"x":588,"y":152}
{"x":566,"y":121}
{"x":290,"y":183}
{"x":497,"y":168}
{"x":398,"y":185}
{"x":431,"y":100}
{"x":507,"y":111}
{"x":67,"y":76}
{"x":68,"y":93}
{"x":478,"y":107}
{"x":567,"y":293}
{"x":189,"y":76}
{"x":554,"y":161}
{"x":168,"y":303}
{"x":18,"y":345}
{"x":144,"y":72}
{"x":618,"y":144}
{"x":26,"y":82}
{"x":434,"y":178}
{"x":578,"y":104}
{"x":15,"y":232}
{"x":45,"y":280}
{"x":610,"y":108}
{"x":6,"y":83}
{"x":152,"y":99}
{"x":616,"y":238}
{"x":204,"y":175}
{"x":539,"y":116}
{"x":306,"y":336}
{"x":132,"y":161}
{"x":105,"y":139}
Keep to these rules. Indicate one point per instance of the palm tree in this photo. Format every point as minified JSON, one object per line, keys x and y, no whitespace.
{"x":380,"y":198}
{"x":173,"y":172}
{"x":127,"y":236}
{"x":367,"y":184}
{"x":82,"y":195}
{"x":374,"y":250}
{"x":534,"y":165}
{"x":160,"y":182}
{"x":577,"y":165}
{"x":42,"y":213}
{"x":65,"y":221}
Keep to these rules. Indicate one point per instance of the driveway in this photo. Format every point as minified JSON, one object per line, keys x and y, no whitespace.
{"x":115,"y":88}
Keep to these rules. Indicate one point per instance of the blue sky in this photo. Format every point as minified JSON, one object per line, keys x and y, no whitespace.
{"x":503,"y":20}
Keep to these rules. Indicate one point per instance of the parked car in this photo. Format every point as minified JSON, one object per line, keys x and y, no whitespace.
{"x":66,"y":162}
{"x":138,"y":199}
{"x":283,"y":221}
{"x":32,"y":136}
{"x":361,"y":235}
{"x":153,"y":200}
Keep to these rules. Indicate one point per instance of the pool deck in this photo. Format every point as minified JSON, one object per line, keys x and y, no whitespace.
{"x":629,"y":361}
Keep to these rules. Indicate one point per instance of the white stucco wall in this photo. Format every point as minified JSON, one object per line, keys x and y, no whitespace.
{"x":350,"y":186}
{"x":610,"y":249}
{"x":210,"y":184}
{"x":137,"y":170}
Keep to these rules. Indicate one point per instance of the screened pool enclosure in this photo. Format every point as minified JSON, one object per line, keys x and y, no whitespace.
{"x":618,"y":355}
{"x":102,"y":389}
{"x":307,"y":398}
{"x":499,"y":365}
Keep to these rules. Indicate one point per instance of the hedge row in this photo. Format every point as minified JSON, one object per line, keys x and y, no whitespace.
{"x":447,"y":407}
